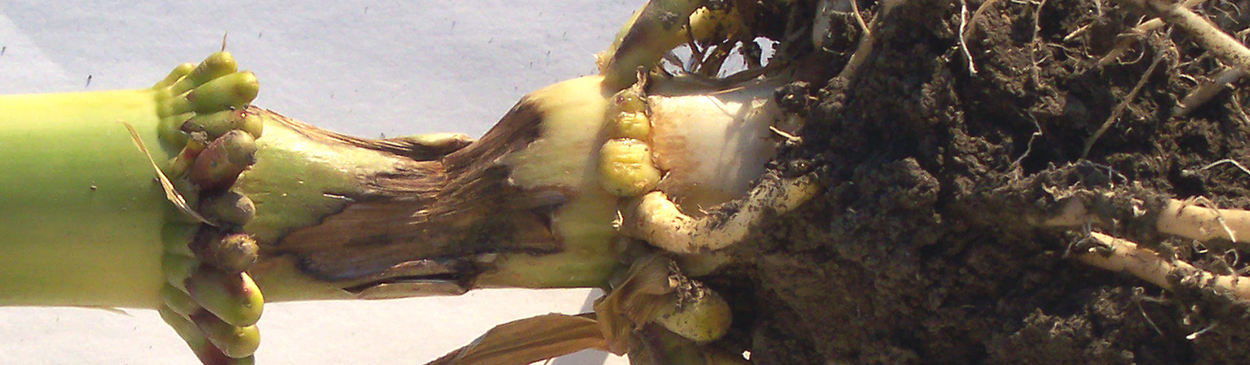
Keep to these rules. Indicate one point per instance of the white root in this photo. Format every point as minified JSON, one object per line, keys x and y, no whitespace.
{"x":866,"y":42}
{"x":1223,"y":46}
{"x":1178,"y":218}
{"x":658,"y":220}
{"x":963,"y":42}
{"x":1141,"y":29}
{"x":1126,"y":256}
{"x":1208,"y":90}
{"x":1204,"y":223}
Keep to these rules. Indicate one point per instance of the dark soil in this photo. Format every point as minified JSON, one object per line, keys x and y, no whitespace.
{"x":919,"y":251}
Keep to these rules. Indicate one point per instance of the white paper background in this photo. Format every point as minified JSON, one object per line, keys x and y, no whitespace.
{"x":360,"y":67}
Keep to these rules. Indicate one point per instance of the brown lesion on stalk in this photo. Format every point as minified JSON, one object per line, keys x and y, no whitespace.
{"x":442,"y":212}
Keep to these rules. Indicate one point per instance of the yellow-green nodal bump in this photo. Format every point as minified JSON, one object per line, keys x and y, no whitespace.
{"x":224,"y":159}
{"x":177,"y":269}
{"x":196,"y":144}
{"x":215,"y":66}
{"x":630,"y":101}
{"x":230,"y":208}
{"x":223,"y":93}
{"x":176,"y":74}
{"x":234,"y":298}
{"x":626,"y":168}
{"x":628,"y":114}
{"x":252,"y":124}
{"x":178,"y":301}
{"x":233,"y":253}
{"x":703,"y":320}
{"x":214,"y":124}
{"x":219,"y":123}
{"x":631,"y":125}
{"x":234,"y":341}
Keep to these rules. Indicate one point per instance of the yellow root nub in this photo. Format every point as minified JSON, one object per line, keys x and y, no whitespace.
{"x":219,"y":123}
{"x":234,"y":341}
{"x":232,"y":297}
{"x":630,"y":100}
{"x":176,"y":74}
{"x":703,"y":319}
{"x":633,"y":126}
{"x":655,"y":290}
{"x":209,"y":300}
{"x":626,"y":168}
{"x":230,"y":91}
{"x":215,"y":66}
{"x":627,"y":115}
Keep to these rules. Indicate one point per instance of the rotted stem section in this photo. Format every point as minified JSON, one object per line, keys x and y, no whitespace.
{"x":340,"y":217}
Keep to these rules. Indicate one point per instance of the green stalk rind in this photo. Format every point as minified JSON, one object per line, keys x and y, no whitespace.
{"x":84,"y":219}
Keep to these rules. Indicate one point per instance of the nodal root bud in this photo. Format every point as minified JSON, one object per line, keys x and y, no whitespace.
{"x":230,"y":208}
{"x":224,"y":159}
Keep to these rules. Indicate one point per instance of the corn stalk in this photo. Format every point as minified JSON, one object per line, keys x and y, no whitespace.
{"x":265,"y":204}
{"x":336,"y":217}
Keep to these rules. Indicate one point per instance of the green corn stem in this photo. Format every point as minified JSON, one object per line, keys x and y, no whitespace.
{"x":83,"y":219}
